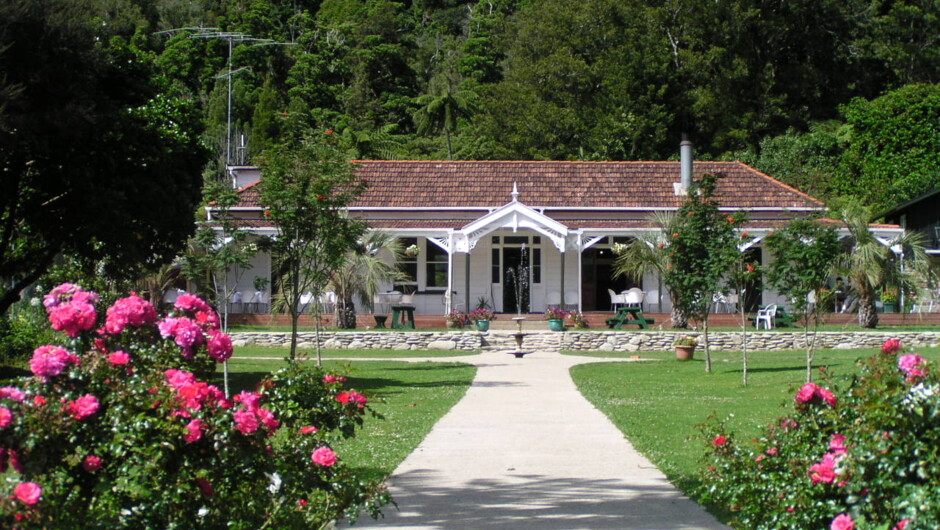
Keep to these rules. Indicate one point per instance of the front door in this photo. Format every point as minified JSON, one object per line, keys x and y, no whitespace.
{"x":516,"y":279}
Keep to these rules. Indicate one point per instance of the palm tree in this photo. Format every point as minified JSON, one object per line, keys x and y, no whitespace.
{"x":649,"y":253}
{"x":872,"y":264}
{"x":442,"y":107}
{"x":362,"y":273}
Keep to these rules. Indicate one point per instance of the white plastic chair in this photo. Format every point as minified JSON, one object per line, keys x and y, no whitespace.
{"x":407,"y":299}
{"x":616,"y":300}
{"x":765,"y":315}
{"x":553,"y":299}
{"x":634,"y":297}
{"x":571,"y":299}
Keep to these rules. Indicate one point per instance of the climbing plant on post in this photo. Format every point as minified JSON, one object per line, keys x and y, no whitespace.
{"x":805,"y":252}
{"x":702,"y":248}
{"x":305,"y":190}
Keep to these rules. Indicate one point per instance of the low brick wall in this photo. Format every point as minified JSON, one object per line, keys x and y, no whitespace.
{"x":577,"y":340}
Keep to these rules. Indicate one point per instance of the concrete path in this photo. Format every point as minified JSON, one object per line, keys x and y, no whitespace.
{"x":523,"y":448}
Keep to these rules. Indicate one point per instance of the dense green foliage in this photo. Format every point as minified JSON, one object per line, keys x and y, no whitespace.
{"x":89,"y":141}
{"x":542,"y":79}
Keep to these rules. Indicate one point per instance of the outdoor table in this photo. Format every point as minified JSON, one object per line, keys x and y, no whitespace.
{"x":629,"y":315}
{"x":400,"y":312}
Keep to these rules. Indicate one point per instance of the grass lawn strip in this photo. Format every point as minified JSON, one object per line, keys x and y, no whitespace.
{"x":410,"y":396}
{"x":658,"y":404}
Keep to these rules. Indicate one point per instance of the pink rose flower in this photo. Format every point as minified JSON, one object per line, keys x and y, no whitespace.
{"x":6,"y":417}
{"x":190,"y":303}
{"x":891,"y":346}
{"x":193,"y":431}
{"x":843,"y":521}
{"x":119,"y":358}
{"x":352,"y":397}
{"x":246,"y":421}
{"x":901,"y":524}
{"x":323,"y":456}
{"x":207,"y":320}
{"x":27,"y":492}
{"x":811,"y":392}
{"x":11,"y":392}
{"x":50,"y":361}
{"x":250,"y":400}
{"x":329,"y":378}
{"x":308,"y":429}
{"x":66,"y":293}
{"x":73,"y":317}
{"x":268,"y":419}
{"x":913,"y":365}
{"x":130,"y":311}
{"x":720,"y":440}
{"x":178,"y":379}
{"x":83,"y":407}
{"x":824,"y":471}
{"x":92,"y":463}
{"x":837,"y":444}
{"x":220,"y":346}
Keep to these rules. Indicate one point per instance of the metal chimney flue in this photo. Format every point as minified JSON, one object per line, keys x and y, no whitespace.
{"x":685,"y":159}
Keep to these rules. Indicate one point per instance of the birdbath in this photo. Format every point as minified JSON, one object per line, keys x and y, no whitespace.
{"x":518,"y":335}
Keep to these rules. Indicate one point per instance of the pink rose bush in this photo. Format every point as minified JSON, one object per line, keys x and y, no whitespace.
{"x":108,"y":431}
{"x":859,"y":453}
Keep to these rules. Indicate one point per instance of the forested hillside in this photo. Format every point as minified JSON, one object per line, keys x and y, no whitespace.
{"x":837,"y":97}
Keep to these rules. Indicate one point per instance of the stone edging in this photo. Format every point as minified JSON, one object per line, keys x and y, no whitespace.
{"x":577,"y":340}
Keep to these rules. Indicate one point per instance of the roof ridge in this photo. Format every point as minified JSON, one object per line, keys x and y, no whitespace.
{"x":573,"y":162}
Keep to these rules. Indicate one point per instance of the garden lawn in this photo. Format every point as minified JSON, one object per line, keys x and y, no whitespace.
{"x":282,"y":353}
{"x":410,"y":396}
{"x":658,"y":404}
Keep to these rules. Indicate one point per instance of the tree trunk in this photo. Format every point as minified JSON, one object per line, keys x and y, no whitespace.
{"x":867,"y":315}
{"x":346,"y":314}
{"x":679,"y":319}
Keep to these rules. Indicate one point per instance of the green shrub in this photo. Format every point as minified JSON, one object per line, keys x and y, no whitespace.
{"x":867,"y":455}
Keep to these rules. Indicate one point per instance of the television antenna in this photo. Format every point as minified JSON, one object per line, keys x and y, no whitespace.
{"x":231,"y":37}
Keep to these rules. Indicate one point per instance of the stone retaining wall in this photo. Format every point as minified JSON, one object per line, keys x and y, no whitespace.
{"x":577,"y":340}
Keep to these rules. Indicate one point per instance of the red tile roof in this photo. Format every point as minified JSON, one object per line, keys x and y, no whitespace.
{"x":455,"y":184}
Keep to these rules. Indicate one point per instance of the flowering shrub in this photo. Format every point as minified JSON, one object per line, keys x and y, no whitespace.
{"x":578,"y":319}
{"x":864,"y":457}
{"x":685,"y":340}
{"x":456,"y":318}
{"x":117,"y":429}
{"x":555,"y":313}
{"x":482,"y":313}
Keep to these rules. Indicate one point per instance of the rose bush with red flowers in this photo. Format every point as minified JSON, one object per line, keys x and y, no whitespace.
{"x":119,"y":428}
{"x":867,"y":459}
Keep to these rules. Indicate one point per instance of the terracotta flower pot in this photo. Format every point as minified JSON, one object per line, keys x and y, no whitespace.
{"x":685,"y":353}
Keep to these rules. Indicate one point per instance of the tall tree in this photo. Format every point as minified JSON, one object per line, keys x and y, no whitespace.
{"x":701,"y":250}
{"x":441,"y":109}
{"x":86,"y":146}
{"x":305,"y":189}
{"x":805,"y":252}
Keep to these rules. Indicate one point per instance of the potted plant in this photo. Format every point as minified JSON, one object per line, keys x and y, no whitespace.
{"x":556,"y":318}
{"x":685,"y":347}
{"x":889,"y":298}
{"x":412,"y":250}
{"x":578,"y":319}
{"x":456,"y":318}
{"x":482,"y":316}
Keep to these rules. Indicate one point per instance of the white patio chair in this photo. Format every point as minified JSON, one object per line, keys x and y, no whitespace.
{"x":571,"y":299}
{"x":765,"y":315}
{"x":553,"y":299}
{"x":407,"y":299}
{"x":634,"y":297}
{"x":616,"y":300}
